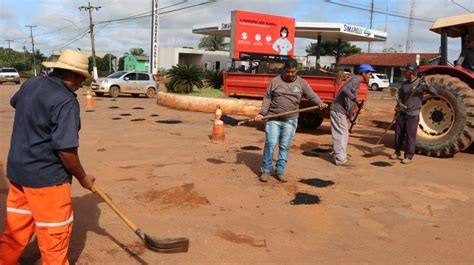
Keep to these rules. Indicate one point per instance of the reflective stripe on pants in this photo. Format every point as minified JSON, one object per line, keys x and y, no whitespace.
{"x":46,"y":211}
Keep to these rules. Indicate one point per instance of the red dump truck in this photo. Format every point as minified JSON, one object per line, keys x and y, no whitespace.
{"x":245,"y":85}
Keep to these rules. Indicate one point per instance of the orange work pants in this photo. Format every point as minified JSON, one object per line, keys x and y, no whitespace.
{"x":46,"y":211}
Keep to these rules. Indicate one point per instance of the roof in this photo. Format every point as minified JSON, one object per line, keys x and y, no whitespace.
{"x":385,"y":59}
{"x":309,"y":30}
{"x":457,"y":25}
{"x":142,"y":58}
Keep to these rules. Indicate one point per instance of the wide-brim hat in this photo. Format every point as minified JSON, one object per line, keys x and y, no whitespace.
{"x":73,"y":61}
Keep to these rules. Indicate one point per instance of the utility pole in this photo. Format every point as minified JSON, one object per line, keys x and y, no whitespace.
{"x":33,"y":45}
{"x":91,"y":31}
{"x":408,"y":46}
{"x":9,"y":43}
{"x":155,"y":26}
{"x":371,"y":22}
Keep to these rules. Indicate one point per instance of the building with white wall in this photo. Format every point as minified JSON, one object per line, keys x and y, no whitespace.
{"x":209,"y":60}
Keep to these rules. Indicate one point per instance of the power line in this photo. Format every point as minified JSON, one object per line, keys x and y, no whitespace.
{"x":393,"y":14}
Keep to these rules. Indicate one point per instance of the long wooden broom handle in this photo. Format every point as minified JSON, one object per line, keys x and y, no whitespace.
{"x":106,"y":198}
{"x":281,"y":114}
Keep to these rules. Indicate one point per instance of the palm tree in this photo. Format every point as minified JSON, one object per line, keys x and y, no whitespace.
{"x":184,"y":77}
{"x":213,"y":43}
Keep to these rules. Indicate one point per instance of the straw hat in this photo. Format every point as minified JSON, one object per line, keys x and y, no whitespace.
{"x":73,"y":61}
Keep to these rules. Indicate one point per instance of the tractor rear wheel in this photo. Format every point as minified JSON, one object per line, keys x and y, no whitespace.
{"x":447,"y":119}
{"x":310,"y":120}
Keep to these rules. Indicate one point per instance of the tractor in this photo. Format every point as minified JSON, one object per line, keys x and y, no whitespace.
{"x":447,"y":120}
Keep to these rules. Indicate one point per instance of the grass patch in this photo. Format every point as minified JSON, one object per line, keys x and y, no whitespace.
{"x":208,"y":93}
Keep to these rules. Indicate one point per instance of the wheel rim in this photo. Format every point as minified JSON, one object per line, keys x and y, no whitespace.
{"x":437,"y":117}
{"x":150,"y":92}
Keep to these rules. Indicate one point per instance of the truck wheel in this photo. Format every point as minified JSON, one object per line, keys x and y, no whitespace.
{"x":374,"y":87}
{"x":114,"y":91}
{"x":446,"y":120}
{"x":310,"y":120}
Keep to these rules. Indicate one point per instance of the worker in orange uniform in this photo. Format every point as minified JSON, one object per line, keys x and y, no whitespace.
{"x":42,"y":159}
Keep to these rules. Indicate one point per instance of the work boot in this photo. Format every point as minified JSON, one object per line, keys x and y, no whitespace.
{"x":395,"y":155}
{"x":281,"y":177}
{"x":345,"y":164}
{"x":406,"y":161}
{"x":264,"y":176}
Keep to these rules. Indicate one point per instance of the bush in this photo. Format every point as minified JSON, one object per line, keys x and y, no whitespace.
{"x":183,"y":78}
{"x":214,"y":78}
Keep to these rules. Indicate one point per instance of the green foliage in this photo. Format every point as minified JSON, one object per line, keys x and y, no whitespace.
{"x":137,"y":52}
{"x":183,"y":77}
{"x":397,"y":48}
{"x":329,"y":48}
{"x":21,"y":61}
{"x":213,"y":43}
{"x":214,"y":78}
{"x":424,"y":61}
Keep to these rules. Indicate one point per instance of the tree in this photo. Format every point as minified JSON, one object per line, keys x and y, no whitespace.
{"x":184,"y":77}
{"x":137,"y":52}
{"x":397,"y":48}
{"x":329,"y":48}
{"x":213,"y":43}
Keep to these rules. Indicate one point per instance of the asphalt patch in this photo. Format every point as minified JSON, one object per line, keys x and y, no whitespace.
{"x":137,"y":119}
{"x":381,"y":164}
{"x":116,"y":118}
{"x":113,"y":100}
{"x":305,"y":198}
{"x":251,"y":148}
{"x":138,"y":108}
{"x":114,"y":107}
{"x":125,"y":114}
{"x":169,"y":121}
{"x":154,"y":115}
{"x":311,"y":153}
{"x":320,"y":183}
{"x":215,"y":161}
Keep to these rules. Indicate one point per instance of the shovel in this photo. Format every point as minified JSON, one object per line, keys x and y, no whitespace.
{"x":235,"y":122}
{"x":378,"y":148}
{"x":354,"y":121}
{"x":163,"y":245}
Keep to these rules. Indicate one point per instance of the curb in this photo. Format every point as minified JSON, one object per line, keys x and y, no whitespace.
{"x":203,"y":104}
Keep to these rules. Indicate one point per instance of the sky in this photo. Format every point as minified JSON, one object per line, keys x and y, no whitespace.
{"x":60,"y":24}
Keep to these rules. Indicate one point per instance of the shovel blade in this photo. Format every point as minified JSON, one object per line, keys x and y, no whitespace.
{"x":229,"y":120}
{"x":376,"y":149}
{"x":167,"y":245}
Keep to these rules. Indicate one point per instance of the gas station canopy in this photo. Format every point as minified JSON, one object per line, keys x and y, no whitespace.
{"x":308,"y":30}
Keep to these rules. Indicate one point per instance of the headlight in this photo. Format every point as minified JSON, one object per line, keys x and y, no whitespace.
{"x":103,"y":81}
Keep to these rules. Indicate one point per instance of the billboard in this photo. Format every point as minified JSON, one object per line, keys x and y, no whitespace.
{"x":261,"y":35}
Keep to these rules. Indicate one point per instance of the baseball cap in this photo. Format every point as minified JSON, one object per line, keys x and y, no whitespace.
{"x":364,"y":68}
{"x":413,"y":67}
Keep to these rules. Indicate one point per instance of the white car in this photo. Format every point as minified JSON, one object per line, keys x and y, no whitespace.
{"x":121,"y":82}
{"x":378,"y":82}
{"x":9,"y":75}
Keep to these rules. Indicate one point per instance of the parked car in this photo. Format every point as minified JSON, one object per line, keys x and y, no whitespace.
{"x":123,"y":82}
{"x":9,"y":75}
{"x":378,"y":82}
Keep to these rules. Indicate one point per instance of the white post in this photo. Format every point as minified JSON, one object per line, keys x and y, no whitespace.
{"x":391,"y":74}
{"x":154,"y":66}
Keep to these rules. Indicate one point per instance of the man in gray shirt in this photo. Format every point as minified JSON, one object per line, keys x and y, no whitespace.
{"x":342,"y":108}
{"x":410,"y":99}
{"x":284,"y":94}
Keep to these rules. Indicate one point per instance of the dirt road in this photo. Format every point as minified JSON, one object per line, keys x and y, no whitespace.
{"x":160,"y":168}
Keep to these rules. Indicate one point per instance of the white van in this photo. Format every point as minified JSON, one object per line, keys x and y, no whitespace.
{"x":378,"y":82}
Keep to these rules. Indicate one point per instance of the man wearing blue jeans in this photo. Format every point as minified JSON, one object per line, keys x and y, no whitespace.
{"x":283,"y":95}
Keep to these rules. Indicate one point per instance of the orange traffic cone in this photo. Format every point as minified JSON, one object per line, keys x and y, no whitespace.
{"x":89,"y":102}
{"x":218,"y":112}
{"x":218,"y":129}
{"x":218,"y":132}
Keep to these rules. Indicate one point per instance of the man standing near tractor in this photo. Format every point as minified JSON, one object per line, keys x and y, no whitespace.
{"x":283,"y":95}
{"x":410,"y":97}
{"x":343,"y":108}
{"x":466,"y":58}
